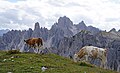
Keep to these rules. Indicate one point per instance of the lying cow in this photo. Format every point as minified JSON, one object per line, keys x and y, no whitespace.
{"x":34,"y":43}
{"x":91,"y":52}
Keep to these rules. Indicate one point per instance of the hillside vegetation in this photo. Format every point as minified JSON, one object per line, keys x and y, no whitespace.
{"x":32,"y":63}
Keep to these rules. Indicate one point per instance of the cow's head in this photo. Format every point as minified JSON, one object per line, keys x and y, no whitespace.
{"x":105,"y":52}
{"x":25,"y":41}
{"x":75,"y":58}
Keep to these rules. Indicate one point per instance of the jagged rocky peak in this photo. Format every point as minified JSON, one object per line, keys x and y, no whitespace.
{"x":82,"y":24}
{"x":30,"y":29}
{"x":113,"y":30}
{"x":37,"y":26}
{"x":64,"y":21}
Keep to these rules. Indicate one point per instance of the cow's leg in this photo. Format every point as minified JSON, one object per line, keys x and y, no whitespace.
{"x":29,"y":49}
{"x":38,"y":50}
{"x":105,"y":63}
{"x":34,"y":50}
{"x":102,"y":63}
{"x":35,"y":47}
{"x":92,"y":60}
{"x":86,"y":58}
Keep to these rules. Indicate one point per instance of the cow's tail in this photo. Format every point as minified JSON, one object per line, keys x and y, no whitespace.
{"x":42,"y":43}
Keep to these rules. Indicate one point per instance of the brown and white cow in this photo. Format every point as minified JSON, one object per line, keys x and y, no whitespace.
{"x":34,"y":43}
{"x":92,"y":52}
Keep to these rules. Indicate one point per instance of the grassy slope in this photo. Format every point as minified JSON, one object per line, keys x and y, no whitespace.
{"x":32,"y":63}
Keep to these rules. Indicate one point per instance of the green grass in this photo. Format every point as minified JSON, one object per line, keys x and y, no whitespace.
{"x":32,"y":63}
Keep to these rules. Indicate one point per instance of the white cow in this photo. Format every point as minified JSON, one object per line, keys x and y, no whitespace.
{"x":92,"y":52}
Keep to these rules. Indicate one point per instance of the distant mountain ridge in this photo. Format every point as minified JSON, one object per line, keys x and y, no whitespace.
{"x":3,"y":31}
{"x":65,"y":38}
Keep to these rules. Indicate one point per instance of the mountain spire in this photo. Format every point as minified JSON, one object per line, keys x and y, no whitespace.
{"x":65,"y":21}
{"x":37,"y":26}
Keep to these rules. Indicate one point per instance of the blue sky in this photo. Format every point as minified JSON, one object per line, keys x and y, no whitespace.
{"x":14,"y":1}
{"x":22,"y":14}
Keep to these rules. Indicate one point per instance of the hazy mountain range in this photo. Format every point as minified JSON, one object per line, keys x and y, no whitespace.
{"x":2,"y":31}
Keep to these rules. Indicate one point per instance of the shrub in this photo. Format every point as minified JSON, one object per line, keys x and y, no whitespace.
{"x":13,"y":52}
{"x":85,"y":64}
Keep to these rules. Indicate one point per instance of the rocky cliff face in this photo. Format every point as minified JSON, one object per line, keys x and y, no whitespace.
{"x":65,"y":28}
{"x":11,"y":39}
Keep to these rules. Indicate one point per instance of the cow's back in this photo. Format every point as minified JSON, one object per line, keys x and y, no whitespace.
{"x":102,"y":52}
{"x":34,"y":41}
{"x":91,"y":51}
